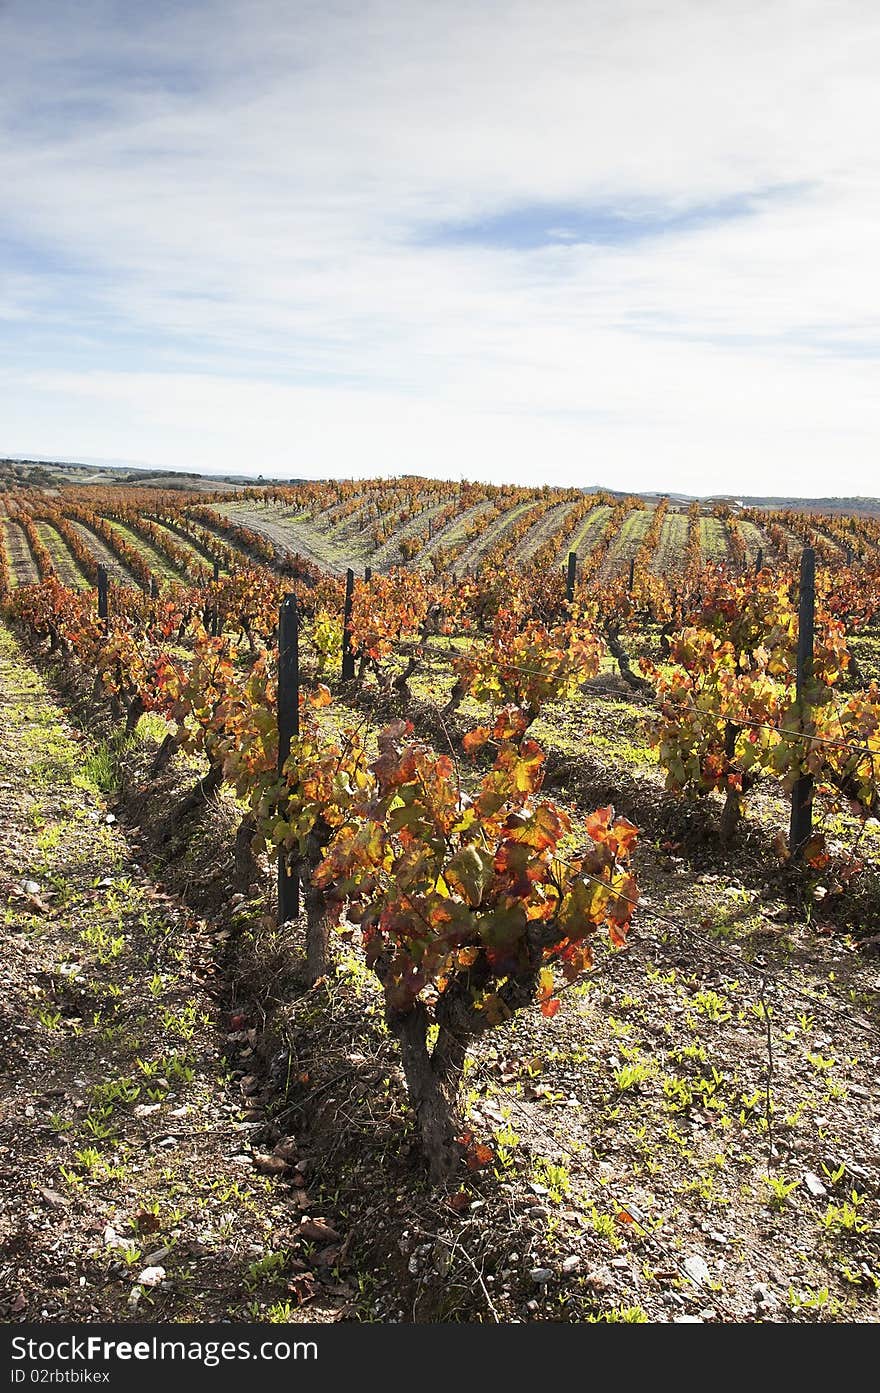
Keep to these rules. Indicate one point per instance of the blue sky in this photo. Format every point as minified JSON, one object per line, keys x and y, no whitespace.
{"x":577,"y":242}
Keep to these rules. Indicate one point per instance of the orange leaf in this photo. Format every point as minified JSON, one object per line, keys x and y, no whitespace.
{"x":479,"y":1155}
{"x":459,"y":1202}
{"x":549,"y":1008}
{"x":475,"y":739}
{"x":320,"y":697}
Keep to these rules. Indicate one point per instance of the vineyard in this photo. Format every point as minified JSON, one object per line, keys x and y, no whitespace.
{"x":527,"y":845}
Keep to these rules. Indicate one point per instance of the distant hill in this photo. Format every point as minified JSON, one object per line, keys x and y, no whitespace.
{"x":55,"y":473}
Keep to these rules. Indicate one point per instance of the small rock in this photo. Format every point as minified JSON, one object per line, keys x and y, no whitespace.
{"x":814,"y":1185}
{"x":109,"y":819}
{"x":763,"y":1296}
{"x":320,"y":1231}
{"x":145,"y":1109}
{"x":153,"y":1259}
{"x":151,"y":1277}
{"x":286,"y":1149}
{"x":540,"y":1275}
{"x":572,"y":1263}
{"x":31,"y":887}
{"x":269,"y":1165}
{"x":696,"y":1269}
{"x":687,"y":1320}
{"x":57,"y":1201}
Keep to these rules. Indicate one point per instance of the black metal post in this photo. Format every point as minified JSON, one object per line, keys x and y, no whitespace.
{"x":368,"y":574}
{"x":347,"y":650}
{"x":288,"y":728}
{"x":571,"y":576}
{"x":216,"y":569}
{"x":632,"y":573}
{"x":154,"y":588}
{"x":102,"y":592}
{"x":802,"y":793}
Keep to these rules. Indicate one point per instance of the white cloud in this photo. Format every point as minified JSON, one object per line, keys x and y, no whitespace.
{"x":238,"y":194}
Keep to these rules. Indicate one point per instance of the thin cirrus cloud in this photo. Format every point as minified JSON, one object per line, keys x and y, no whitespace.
{"x":625,"y":243}
{"x":532,"y":226}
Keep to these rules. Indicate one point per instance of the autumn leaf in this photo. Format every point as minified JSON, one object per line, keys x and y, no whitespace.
{"x":475,"y":739}
{"x":320,"y":696}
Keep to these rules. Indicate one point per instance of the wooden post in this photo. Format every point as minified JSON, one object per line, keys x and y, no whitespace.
{"x":368,"y":574}
{"x":102,"y":592}
{"x":288,"y":727}
{"x":571,"y":576}
{"x":347,"y":650}
{"x":632,"y":573}
{"x":802,"y":793}
{"x":154,"y":588}
{"x":216,"y":569}
{"x":759,"y":561}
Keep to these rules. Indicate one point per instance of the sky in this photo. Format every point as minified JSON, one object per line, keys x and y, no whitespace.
{"x":621,"y":242}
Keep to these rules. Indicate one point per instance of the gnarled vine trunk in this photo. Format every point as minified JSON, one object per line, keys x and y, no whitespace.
{"x":196,"y":798}
{"x":632,"y":679}
{"x":319,"y":917}
{"x":433,"y":1079}
{"x":247,"y":868}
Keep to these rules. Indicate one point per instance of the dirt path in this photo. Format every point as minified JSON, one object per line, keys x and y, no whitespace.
{"x":388,"y":554}
{"x":21,"y":561}
{"x":116,"y":569}
{"x":669,"y":556}
{"x":184,"y":539}
{"x":453,"y":531}
{"x":755,"y":541}
{"x":485,"y":541}
{"x":541,"y":532}
{"x":123,"y":1136}
{"x":66,"y":564}
{"x":626,"y":543}
{"x":293,"y":536}
{"x":160,"y":565}
{"x":584,"y":539}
